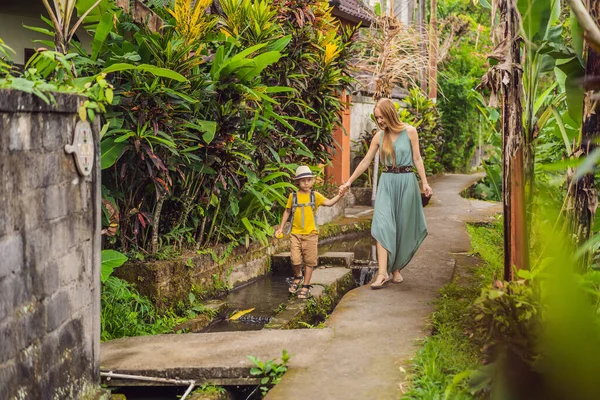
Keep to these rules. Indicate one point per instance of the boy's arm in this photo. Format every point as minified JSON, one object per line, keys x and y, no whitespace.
{"x":286,"y":216}
{"x":330,"y":202}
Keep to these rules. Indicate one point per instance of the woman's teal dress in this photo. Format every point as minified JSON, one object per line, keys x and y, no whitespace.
{"x":398,"y":220}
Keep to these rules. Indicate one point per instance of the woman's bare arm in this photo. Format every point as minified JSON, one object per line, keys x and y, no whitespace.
{"x":366,"y":161}
{"x":418,"y":160}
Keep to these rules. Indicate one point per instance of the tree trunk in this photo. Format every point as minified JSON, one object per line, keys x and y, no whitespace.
{"x":421,"y":21}
{"x":433,"y":51}
{"x":156,"y":221}
{"x":515,"y":231}
{"x":583,"y":197}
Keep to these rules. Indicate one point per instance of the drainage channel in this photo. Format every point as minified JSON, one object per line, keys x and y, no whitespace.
{"x":264,"y":296}
{"x":268,"y":296}
{"x":364,"y":266}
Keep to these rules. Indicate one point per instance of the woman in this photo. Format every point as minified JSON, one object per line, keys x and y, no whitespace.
{"x":398,"y":221}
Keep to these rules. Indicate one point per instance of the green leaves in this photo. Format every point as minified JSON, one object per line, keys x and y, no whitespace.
{"x":248,"y":225}
{"x":568,"y":73}
{"x":94,"y":17}
{"x":270,"y":371}
{"x":110,"y":151}
{"x":104,"y":28}
{"x":576,"y":35}
{"x":154,"y":70}
{"x":208,"y":127}
{"x":483,"y":3}
{"x":244,"y":67}
{"x":111,"y":259}
{"x":537,"y":16}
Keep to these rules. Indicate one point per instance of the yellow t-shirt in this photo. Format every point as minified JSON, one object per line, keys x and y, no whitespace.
{"x":309,"y":220}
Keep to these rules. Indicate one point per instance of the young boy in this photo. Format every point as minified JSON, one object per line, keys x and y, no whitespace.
{"x":304,"y":237}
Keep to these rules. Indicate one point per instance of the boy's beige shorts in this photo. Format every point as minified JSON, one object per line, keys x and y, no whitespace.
{"x":304,"y":249}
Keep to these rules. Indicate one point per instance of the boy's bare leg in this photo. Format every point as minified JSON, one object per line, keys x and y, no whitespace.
{"x":308,"y":271}
{"x":297,"y":271}
{"x":303,"y":293}
{"x":297,"y":280}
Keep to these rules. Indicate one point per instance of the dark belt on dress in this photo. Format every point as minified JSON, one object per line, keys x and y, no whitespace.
{"x":398,"y":170}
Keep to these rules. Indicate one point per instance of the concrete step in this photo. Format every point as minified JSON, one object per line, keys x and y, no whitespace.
{"x":358,"y":211}
{"x":281,"y":262}
{"x":216,"y":358}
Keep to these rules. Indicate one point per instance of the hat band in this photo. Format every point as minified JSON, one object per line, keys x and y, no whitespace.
{"x":304,"y":175}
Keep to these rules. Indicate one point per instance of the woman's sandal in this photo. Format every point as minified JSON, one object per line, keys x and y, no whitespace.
{"x":305,"y":292}
{"x":294,"y":286}
{"x":382,"y":284}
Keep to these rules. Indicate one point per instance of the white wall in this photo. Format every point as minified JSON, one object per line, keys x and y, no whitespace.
{"x":403,"y":9}
{"x":17,"y":37}
{"x":360,"y":117}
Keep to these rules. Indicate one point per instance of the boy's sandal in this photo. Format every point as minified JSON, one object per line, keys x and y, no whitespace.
{"x":382,"y":284}
{"x":294,"y":286}
{"x":305,"y":292}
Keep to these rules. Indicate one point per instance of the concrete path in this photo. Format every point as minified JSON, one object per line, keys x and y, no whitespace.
{"x":374,"y":332}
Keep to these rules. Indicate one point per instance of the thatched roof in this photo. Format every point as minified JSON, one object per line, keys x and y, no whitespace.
{"x":353,"y":11}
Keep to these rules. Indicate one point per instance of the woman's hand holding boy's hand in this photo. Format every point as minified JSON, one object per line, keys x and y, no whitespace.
{"x":343,"y":189}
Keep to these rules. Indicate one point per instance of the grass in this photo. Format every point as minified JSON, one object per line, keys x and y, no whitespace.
{"x":448,"y":351}
{"x":125,"y":312}
{"x":211,"y":392}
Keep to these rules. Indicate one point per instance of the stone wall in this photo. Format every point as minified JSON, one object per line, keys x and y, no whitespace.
{"x":168,"y":283}
{"x":50,"y":254}
{"x":327,"y":214}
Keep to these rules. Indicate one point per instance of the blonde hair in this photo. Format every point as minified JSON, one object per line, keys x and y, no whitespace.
{"x":393,"y":124}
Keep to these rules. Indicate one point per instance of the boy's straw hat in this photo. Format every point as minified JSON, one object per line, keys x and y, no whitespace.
{"x":303,"y":172}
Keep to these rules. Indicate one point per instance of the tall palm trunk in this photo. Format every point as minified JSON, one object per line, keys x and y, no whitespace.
{"x":583,"y":196}
{"x":505,"y":80}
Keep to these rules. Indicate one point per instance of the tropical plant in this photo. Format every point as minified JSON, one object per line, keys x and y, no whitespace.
{"x":317,"y":67}
{"x":191,"y":20}
{"x":111,"y":259}
{"x":5,"y":58}
{"x":209,"y":152}
{"x":61,"y":14}
{"x":251,"y":22}
{"x":197,"y":118}
{"x":391,"y":54}
{"x":422,"y":113}
{"x":270,"y":371}
{"x":460,"y":119}
{"x":546,"y":52}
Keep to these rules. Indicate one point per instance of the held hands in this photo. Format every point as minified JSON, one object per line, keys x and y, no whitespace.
{"x":428,"y":191}
{"x":279,"y":233}
{"x":343,"y":189}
